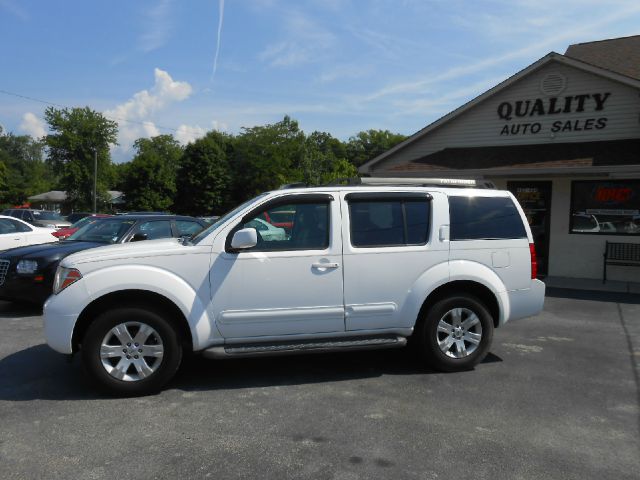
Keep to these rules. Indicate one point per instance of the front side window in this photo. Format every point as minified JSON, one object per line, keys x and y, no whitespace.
{"x":387,"y":223}
{"x":485,"y":218}
{"x":605,"y":207}
{"x":307,"y":227}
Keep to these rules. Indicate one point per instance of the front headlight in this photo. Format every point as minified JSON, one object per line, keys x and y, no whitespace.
{"x":27,"y":267}
{"x":65,"y":277}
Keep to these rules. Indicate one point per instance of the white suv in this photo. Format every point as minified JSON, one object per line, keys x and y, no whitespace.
{"x":364,"y":266}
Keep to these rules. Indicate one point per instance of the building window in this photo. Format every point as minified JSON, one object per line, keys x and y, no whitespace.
{"x":605,"y":207}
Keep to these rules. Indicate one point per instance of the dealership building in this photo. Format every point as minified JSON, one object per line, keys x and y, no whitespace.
{"x":564,"y":136}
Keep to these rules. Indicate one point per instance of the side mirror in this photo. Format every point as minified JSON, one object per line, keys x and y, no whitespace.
{"x":245,"y":238}
{"x":139,"y":237}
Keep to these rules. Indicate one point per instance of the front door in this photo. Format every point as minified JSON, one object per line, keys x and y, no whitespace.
{"x":535,"y":199}
{"x":291,"y":281}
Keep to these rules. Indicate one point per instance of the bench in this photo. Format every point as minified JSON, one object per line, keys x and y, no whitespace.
{"x":623,"y":254}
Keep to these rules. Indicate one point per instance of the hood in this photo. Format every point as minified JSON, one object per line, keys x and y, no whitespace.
{"x":145,"y":248}
{"x":48,"y":250}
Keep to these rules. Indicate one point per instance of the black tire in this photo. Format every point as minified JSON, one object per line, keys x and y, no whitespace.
{"x":164,"y":338}
{"x":429,"y":339}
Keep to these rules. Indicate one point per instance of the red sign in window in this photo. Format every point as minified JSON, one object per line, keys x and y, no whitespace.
{"x":615,"y":194}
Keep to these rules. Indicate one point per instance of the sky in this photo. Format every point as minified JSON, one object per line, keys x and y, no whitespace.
{"x":338,"y":66}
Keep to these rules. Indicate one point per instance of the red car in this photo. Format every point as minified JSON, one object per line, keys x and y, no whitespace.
{"x":67,"y":232}
{"x":280,"y":219}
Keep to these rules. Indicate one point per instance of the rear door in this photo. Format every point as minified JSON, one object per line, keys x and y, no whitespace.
{"x":390,"y":240}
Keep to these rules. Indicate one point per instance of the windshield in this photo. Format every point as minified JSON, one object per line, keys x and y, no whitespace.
{"x":82,"y":222}
{"x":197,"y":238}
{"x":107,"y":230}
{"x":46,"y":216}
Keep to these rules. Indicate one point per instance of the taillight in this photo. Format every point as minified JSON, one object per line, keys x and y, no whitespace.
{"x":534,"y":261}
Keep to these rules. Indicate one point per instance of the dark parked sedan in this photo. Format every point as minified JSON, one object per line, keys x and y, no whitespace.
{"x":27,"y":273}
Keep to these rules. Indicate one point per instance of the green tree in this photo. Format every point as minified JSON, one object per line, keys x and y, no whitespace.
{"x":76,"y":134}
{"x":266,"y":157}
{"x":367,"y":145}
{"x":204,"y":177}
{"x":25,"y":172}
{"x":324,"y":160}
{"x":149,"y":181}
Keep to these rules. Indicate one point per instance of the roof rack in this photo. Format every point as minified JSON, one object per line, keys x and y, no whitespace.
{"x":416,"y":182}
{"x":399,"y":182}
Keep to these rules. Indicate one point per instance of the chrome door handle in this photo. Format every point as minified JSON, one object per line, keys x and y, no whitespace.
{"x":325,"y":265}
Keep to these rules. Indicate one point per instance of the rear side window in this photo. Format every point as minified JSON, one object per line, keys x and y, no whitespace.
{"x":388,"y":223}
{"x":484,"y":218}
{"x":20,"y":227}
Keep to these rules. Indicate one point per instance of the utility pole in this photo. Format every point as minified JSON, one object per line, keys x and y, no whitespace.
{"x":95,"y":179}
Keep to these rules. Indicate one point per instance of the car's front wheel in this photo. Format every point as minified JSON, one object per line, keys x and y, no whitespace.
{"x":131,"y":351}
{"x":456,"y":333}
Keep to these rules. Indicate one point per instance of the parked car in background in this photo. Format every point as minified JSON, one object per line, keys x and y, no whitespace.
{"x":81,"y":222}
{"x":74,"y":217}
{"x":27,"y":273}
{"x":143,"y":213}
{"x":280,"y":218}
{"x":38,"y":218}
{"x":16,"y":233}
{"x":266,"y":231}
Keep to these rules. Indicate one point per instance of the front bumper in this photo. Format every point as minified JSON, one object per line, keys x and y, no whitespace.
{"x":24,"y":288}
{"x":59,"y":325}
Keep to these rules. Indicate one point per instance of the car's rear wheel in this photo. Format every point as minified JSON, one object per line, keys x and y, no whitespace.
{"x":131,"y":351}
{"x":456,"y":333}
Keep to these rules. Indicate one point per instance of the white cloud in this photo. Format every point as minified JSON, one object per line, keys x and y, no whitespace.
{"x":220,"y":18}
{"x":189,"y":133}
{"x":32,"y":125}
{"x":133,"y":116}
{"x":304,"y":42}
{"x":157,"y":27}
{"x":529,"y":50}
{"x":14,"y":9}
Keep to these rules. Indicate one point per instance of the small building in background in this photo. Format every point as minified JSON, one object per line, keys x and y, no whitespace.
{"x":55,"y":199}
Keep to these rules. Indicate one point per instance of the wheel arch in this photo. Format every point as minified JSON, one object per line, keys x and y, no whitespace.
{"x":469,"y":287}
{"x":132,"y":297}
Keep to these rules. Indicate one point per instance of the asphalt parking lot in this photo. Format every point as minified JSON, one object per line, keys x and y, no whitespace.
{"x":557,"y":398}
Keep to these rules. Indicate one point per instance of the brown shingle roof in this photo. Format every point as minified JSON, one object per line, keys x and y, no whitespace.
{"x":620,"y":55}
{"x":542,"y":156}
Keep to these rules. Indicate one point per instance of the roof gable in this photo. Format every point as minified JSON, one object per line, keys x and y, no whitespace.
{"x":503,"y":86}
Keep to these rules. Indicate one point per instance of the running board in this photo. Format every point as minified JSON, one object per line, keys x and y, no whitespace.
{"x":304,"y":346}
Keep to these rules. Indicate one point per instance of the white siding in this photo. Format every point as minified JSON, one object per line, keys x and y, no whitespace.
{"x":481,"y":125}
